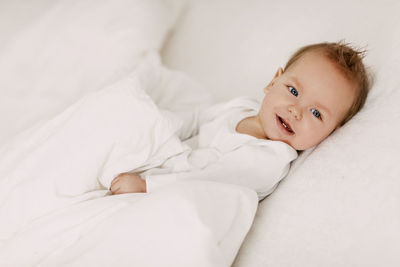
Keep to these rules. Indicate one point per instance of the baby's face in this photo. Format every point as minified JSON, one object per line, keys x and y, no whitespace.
{"x":304,"y":104}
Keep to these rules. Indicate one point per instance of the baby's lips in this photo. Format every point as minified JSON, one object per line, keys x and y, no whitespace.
{"x":287,"y":124}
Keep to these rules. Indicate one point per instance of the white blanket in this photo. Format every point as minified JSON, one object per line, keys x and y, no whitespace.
{"x":54,"y":208}
{"x":67,"y":159}
{"x":188,"y":224}
{"x":54,"y":201}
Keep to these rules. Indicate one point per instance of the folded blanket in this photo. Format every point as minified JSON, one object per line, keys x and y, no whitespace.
{"x":191,"y":223}
{"x":75,"y":156}
{"x":54,"y":202}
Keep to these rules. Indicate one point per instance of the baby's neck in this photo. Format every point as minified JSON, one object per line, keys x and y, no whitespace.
{"x":251,"y":126}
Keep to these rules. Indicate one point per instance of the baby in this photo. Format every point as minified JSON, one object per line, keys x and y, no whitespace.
{"x":321,"y":87}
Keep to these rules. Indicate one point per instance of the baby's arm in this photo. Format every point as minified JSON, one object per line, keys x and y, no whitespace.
{"x":256,"y":166}
{"x":128,"y":183}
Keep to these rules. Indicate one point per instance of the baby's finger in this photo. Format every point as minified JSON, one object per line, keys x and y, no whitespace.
{"x":116,"y":191}
{"x":115,"y":180}
{"x":114,"y":188}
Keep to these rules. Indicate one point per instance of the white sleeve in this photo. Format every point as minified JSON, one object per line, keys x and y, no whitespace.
{"x":256,"y":167}
{"x":193,"y":118}
{"x":176,"y":92}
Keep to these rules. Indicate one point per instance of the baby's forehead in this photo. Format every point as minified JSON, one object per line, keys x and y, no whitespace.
{"x":321,"y":61}
{"x":310,"y":57}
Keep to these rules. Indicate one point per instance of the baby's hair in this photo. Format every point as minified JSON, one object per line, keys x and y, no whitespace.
{"x":349,"y":60}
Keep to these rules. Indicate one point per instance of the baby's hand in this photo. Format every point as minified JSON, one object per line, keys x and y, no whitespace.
{"x":128,"y":183}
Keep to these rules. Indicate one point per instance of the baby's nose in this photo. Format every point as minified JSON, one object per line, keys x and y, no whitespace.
{"x":294,"y":111}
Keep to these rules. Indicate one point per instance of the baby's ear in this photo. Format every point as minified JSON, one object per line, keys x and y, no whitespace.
{"x":278,"y":73}
{"x":271,"y":83}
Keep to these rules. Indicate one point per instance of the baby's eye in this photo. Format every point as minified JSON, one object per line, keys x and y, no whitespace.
{"x":293,"y":90}
{"x":316,"y":113}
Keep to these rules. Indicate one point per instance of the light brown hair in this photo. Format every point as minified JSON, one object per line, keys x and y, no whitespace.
{"x":349,"y":61}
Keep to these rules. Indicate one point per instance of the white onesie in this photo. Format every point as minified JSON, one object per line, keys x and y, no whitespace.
{"x":213,"y":150}
{"x":216,"y":152}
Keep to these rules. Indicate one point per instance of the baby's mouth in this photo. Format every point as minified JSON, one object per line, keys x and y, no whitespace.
{"x":285,"y":125}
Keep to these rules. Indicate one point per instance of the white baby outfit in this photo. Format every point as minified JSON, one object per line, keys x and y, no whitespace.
{"x":215,"y":151}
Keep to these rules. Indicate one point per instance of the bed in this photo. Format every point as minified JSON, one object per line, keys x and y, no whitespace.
{"x":339,"y":204}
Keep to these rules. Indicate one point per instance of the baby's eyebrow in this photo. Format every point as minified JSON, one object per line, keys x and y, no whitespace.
{"x":296,"y":82}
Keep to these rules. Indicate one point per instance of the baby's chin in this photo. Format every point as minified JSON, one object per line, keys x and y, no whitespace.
{"x":294,"y":146}
{"x":298,"y":146}
{"x":302,"y":147}
{"x":294,"y":143}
